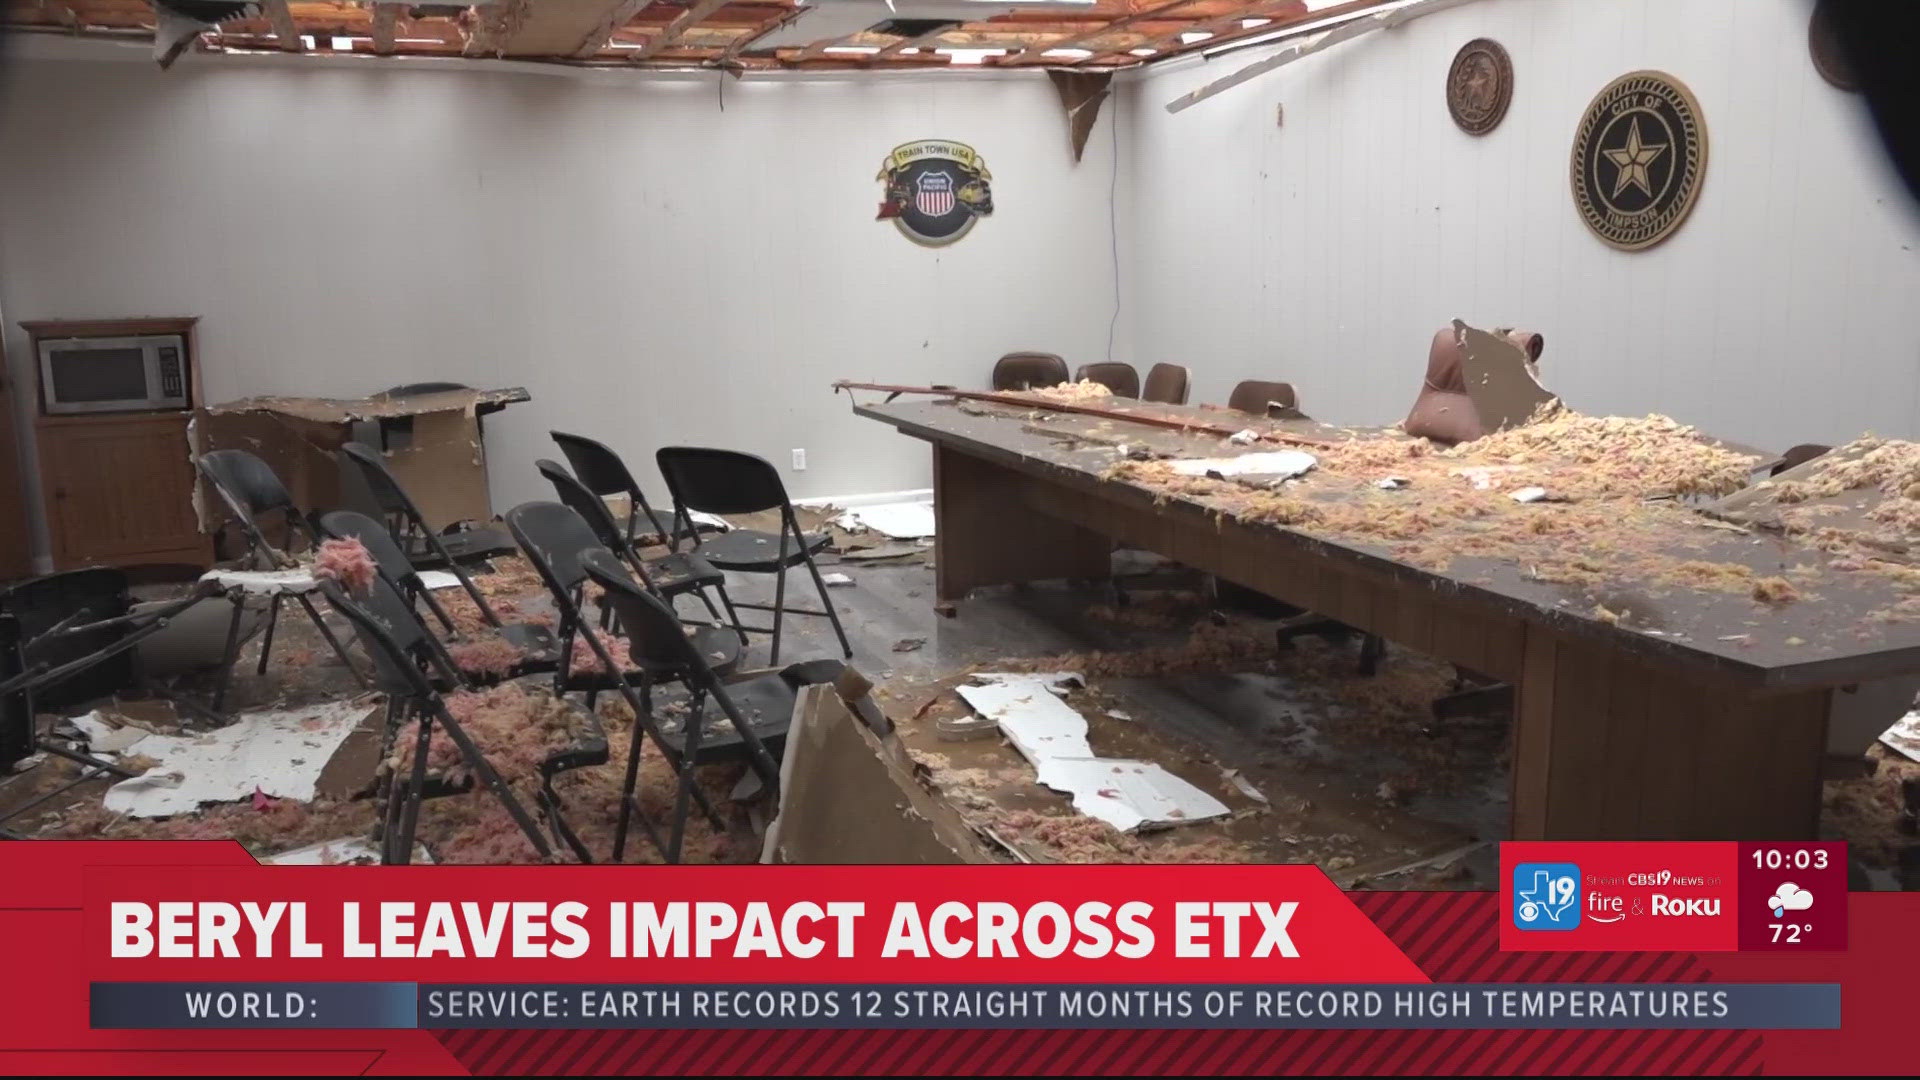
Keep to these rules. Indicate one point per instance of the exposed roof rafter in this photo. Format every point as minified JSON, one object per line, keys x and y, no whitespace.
{"x":681,"y":23}
{"x":737,"y":35}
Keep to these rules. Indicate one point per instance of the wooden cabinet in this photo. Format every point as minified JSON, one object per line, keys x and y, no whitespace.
{"x":16,"y":549}
{"x":119,"y":490}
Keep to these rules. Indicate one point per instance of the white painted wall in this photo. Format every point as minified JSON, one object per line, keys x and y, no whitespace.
{"x":1327,"y":251}
{"x":657,"y":270}
{"x":654,"y":269}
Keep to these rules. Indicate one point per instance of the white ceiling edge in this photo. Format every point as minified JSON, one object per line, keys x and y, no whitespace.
{"x":132,"y":49}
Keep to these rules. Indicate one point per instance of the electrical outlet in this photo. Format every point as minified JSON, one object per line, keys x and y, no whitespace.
{"x":799,"y":461}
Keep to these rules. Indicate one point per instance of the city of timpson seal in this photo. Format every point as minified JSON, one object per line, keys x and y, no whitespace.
{"x":935,"y":189}
{"x":1638,"y":159}
{"x":1479,"y":86}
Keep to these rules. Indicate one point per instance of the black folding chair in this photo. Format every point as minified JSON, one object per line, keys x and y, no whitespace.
{"x":411,"y":533}
{"x":760,"y":708}
{"x":604,"y":473}
{"x":556,"y":541}
{"x":250,"y":488}
{"x":554,"y":538}
{"x":669,"y":576}
{"x":393,"y":642}
{"x":730,"y":482}
{"x":429,"y":657}
{"x":535,"y":642}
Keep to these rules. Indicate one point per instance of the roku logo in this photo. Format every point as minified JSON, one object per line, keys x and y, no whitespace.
{"x":1667,"y":905}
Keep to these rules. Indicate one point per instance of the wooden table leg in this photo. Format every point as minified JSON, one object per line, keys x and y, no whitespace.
{"x":1610,"y":746}
{"x":987,"y":535}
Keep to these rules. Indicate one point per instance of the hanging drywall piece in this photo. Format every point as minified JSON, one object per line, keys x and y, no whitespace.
{"x":178,"y":23}
{"x":1639,"y":158}
{"x":935,"y":190}
{"x":1081,"y":93}
{"x":1479,"y":86}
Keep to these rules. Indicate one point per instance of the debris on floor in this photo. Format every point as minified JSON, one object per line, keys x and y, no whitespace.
{"x":897,"y":521}
{"x":1052,"y":736}
{"x":1903,"y":737}
{"x":281,"y":753}
{"x":848,"y":795}
{"x":341,"y":851}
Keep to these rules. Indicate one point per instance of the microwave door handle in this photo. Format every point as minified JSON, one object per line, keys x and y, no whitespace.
{"x":150,"y":358}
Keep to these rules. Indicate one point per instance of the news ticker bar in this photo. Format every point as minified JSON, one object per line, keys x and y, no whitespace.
{"x":1758,"y":1006}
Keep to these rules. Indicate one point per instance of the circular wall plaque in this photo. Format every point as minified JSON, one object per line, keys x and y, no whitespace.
{"x":1638,"y":159}
{"x":1479,"y":86}
{"x":935,"y":190}
{"x":1824,"y":46}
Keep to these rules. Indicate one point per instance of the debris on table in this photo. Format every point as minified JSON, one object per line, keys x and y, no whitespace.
{"x":1084,"y":392}
{"x":1278,"y":464}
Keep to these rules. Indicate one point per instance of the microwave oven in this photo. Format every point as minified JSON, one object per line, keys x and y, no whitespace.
{"x":114,"y":374}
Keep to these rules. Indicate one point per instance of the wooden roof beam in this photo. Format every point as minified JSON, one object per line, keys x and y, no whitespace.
{"x":1225,"y":28}
{"x":494,"y":25}
{"x":1033,"y":53}
{"x":681,"y":23}
{"x":386,"y":18}
{"x":285,"y":30}
{"x":601,"y":36}
{"x":902,"y":44}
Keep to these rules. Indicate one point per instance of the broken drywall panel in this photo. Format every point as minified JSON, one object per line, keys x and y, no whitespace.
{"x":1052,"y":736}
{"x":1081,"y":93}
{"x":1128,"y":794}
{"x":1036,"y":721}
{"x":848,"y":795}
{"x":279,"y":753}
{"x":1501,"y":380}
{"x":1279,"y":463}
{"x":265,"y":582}
{"x":1903,"y":737}
{"x":442,"y":464}
{"x":899,"y":521}
{"x":439,"y":579}
{"x":344,"y":851}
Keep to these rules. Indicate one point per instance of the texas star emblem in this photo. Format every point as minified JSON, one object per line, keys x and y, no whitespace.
{"x":934,"y":190}
{"x":1638,"y":159}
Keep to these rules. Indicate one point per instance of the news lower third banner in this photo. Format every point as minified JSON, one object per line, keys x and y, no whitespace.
{"x":1377,"y":1006}
{"x":1636,"y":957}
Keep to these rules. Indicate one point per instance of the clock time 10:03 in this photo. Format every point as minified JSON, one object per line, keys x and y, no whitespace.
{"x":1795,"y":859}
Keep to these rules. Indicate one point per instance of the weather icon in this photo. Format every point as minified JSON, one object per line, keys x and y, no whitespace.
{"x":1789,"y":897}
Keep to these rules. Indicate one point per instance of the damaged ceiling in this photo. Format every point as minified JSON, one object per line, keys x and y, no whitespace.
{"x":740,"y":35}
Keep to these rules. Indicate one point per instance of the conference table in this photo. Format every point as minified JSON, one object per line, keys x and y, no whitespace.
{"x":1706,"y":719}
